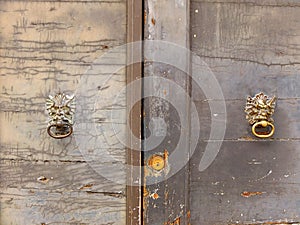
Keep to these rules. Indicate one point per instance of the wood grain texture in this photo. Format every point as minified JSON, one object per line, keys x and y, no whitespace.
{"x":68,"y":46}
{"x":250,"y":46}
{"x":246,"y":33}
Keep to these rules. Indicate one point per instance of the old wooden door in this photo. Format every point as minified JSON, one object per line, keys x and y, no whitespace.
{"x":201,"y":164}
{"x":238,"y":49}
{"x":49,"y":47}
{"x":250,"y":46}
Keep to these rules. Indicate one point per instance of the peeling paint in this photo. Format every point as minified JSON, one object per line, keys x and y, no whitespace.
{"x":247,"y":194}
{"x":86,"y":186}
{"x":271,"y":223}
{"x":43,"y":179}
{"x":154,"y":196}
{"x":175,"y":222}
{"x":157,"y":165}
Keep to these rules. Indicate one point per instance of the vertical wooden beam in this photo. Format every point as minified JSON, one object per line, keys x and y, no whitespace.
{"x":166,"y":199}
{"x":134,"y":72}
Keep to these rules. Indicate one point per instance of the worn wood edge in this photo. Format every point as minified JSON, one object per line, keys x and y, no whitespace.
{"x":270,"y":3}
{"x":159,"y":25}
{"x":134,"y":72}
{"x":69,"y":1}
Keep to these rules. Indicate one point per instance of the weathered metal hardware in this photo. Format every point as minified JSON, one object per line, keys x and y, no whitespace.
{"x":259,"y":110}
{"x":61,"y":109}
{"x":156,"y":162}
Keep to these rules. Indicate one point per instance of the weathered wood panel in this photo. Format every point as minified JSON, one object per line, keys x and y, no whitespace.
{"x":51,"y":46}
{"x":166,"y":191}
{"x":268,"y":170}
{"x":250,"y":46}
{"x":244,"y":31}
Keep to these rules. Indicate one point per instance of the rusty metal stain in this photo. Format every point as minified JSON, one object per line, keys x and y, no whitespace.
{"x":154,"y":196}
{"x":247,"y":194}
{"x":86,"y":186}
{"x":166,"y":155}
{"x":156,"y":162}
{"x":149,"y":171}
{"x":145,"y":192}
{"x":272,"y":223}
{"x":188,"y":216}
{"x":153,"y":21}
{"x":175,"y":222}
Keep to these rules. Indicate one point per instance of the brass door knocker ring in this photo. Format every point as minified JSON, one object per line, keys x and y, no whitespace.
{"x":60,"y":109}
{"x":60,"y":131}
{"x":259,"y":110}
{"x":264,"y":124}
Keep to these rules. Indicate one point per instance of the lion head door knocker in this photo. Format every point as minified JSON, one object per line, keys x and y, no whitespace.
{"x":259,"y":110}
{"x":61,"y":109}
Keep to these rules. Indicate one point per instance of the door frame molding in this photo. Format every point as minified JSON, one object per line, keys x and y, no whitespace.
{"x":134,"y":72}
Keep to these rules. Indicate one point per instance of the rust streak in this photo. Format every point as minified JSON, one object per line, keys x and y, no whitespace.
{"x":86,"y":186}
{"x":247,"y":194}
{"x":175,"y":222}
{"x":272,"y":223}
{"x":153,"y":21}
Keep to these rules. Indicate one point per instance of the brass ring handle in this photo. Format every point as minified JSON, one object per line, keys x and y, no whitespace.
{"x":60,"y":130}
{"x":263,"y":124}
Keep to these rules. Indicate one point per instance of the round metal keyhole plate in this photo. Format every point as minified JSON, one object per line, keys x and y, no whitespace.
{"x":156,"y":162}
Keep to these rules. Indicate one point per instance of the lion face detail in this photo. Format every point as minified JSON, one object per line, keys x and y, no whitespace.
{"x":60,"y":109}
{"x":260,"y":107}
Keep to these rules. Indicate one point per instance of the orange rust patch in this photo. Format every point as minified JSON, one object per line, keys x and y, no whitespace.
{"x":248,"y":194}
{"x":146,"y":192}
{"x":272,"y":223}
{"x":166,"y":154}
{"x":188,"y":214}
{"x":175,"y":222}
{"x":153,"y":21}
{"x":155,"y":196}
{"x":86,"y":186}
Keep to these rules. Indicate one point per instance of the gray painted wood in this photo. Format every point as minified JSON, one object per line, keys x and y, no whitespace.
{"x":46,"y":47}
{"x":250,"y":46}
{"x":165,"y":198}
{"x":237,"y":128}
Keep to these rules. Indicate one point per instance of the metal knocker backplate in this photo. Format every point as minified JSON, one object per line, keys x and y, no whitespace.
{"x":60,"y":108}
{"x":259,"y":110}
